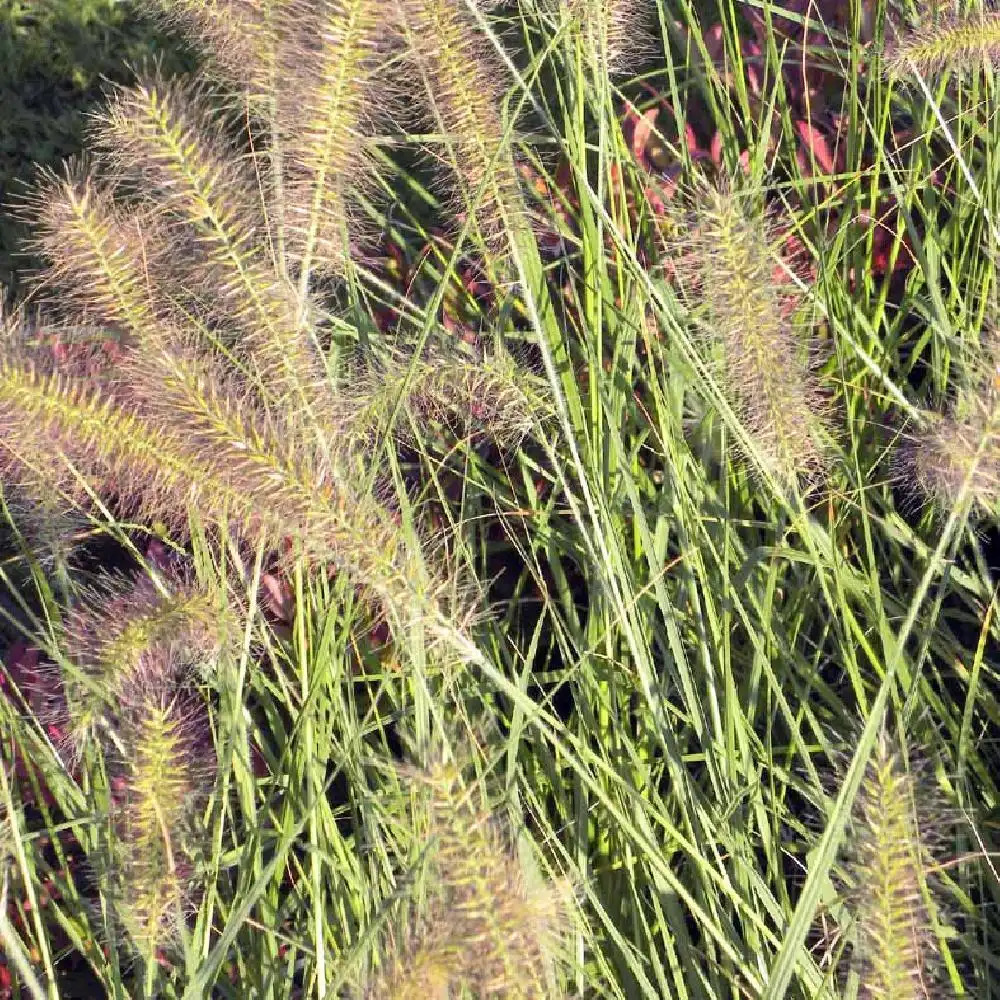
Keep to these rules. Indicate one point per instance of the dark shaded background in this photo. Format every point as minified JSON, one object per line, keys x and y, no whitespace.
{"x":55,"y":58}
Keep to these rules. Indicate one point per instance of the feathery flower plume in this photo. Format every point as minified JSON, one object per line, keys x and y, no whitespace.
{"x":220,"y":397}
{"x":131,"y":652}
{"x":101,"y":256}
{"x":329,"y":64}
{"x":241,"y":37}
{"x":962,"y":445}
{"x":726,"y":260}
{"x":953,"y":42}
{"x":612,"y":32}
{"x":893,"y":829}
{"x":169,"y":137}
{"x":490,"y":928}
{"x":464,"y":89}
{"x":493,"y":398}
{"x":198,"y":445}
{"x":164,"y":770}
{"x":420,"y":965}
{"x":116,"y":629}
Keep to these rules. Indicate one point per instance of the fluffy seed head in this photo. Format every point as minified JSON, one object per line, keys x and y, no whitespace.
{"x":125,"y":632}
{"x":613,"y":32}
{"x":726,"y":260}
{"x":201,"y":445}
{"x":101,"y":256}
{"x":891,"y":837}
{"x":464,"y":91}
{"x":164,"y":771}
{"x":221,"y":399}
{"x":419,"y":965}
{"x":169,"y":136}
{"x":953,"y":42}
{"x":494,"y":398}
{"x":330,"y":68}
{"x":490,"y":928}
{"x":961,"y":448}
{"x":948,"y":453}
{"x":240,"y":37}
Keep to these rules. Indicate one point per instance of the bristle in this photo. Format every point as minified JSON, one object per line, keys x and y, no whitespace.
{"x":888,"y":869}
{"x":464,"y":93}
{"x":726,"y":259}
{"x":959,"y":450}
{"x":329,"y":69}
{"x":493,"y":399}
{"x":103,"y":258}
{"x":168,"y":135}
{"x":612,"y":32}
{"x":958,"y":42}
{"x":166,"y":777}
{"x":241,"y":37}
{"x":488,"y":929}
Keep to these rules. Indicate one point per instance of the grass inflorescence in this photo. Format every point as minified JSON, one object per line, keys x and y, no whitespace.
{"x":951,"y":42}
{"x":727,"y":260}
{"x":895,"y":831}
{"x":487,"y":926}
{"x":955,"y":455}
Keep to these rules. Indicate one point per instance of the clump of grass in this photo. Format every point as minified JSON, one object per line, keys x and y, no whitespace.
{"x":488,"y":927}
{"x":206,"y":262}
{"x":726,"y":260}
{"x":893,"y":831}
{"x":951,"y":42}
{"x":956,"y":454}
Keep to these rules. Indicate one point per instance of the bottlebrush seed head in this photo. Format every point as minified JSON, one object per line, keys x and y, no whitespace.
{"x":493,"y":398}
{"x":961,"y":447}
{"x":170,"y":138}
{"x":948,"y":454}
{"x":725,"y":258}
{"x":491,"y":928}
{"x":100,"y":254}
{"x":953,"y":42}
{"x":240,"y":37}
{"x":464,"y":91}
{"x":418,"y":964}
{"x":613,"y":32}
{"x":210,"y":449}
{"x":126,"y":631}
{"x":332,"y":93}
{"x":165,"y":768}
{"x":894,"y":826}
